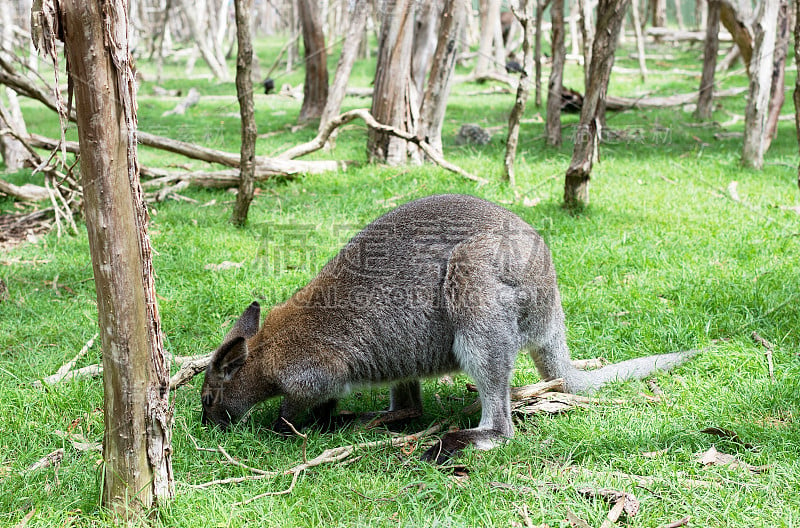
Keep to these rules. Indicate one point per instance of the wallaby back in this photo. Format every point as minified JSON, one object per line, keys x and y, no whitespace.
{"x":440,"y":284}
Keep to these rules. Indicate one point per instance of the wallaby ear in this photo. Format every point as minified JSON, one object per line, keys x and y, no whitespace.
{"x":230,"y":357}
{"x":247,"y":325}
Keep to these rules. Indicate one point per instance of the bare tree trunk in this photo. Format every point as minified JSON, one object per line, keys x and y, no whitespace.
{"x":434,"y":100}
{"x":553,"y":126}
{"x":352,"y":41}
{"x":138,"y":421}
{"x":244,"y":91}
{"x":761,"y":66}
{"x":658,"y":11}
{"x":679,"y":15}
{"x":541,"y":5}
{"x":777,"y":87}
{"x":196,"y":15}
{"x":12,"y":151}
{"x":736,"y":25}
{"x":637,"y":31}
{"x":315,"y":89}
{"x":797,"y":82}
{"x":525,"y":14}
{"x":424,"y":46}
{"x":610,"y":14}
{"x":705,"y":98}
{"x":587,"y":34}
{"x":490,"y":20}
{"x":391,"y":97}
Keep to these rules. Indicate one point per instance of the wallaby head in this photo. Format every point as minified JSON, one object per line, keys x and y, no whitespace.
{"x":227,"y":390}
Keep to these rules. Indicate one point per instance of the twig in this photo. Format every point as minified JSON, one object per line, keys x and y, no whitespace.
{"x":301,"y":435}
{"x":287,"y":491}
{"x":679,"y":522}
{"x":768,"y":353}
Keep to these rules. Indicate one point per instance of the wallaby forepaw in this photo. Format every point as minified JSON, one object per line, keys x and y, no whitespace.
{"x":449,"y":447}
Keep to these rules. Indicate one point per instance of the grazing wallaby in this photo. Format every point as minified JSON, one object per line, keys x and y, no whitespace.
{"x":440,"y":284}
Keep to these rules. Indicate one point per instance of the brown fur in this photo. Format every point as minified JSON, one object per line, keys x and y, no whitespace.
{"x":441,"y":284}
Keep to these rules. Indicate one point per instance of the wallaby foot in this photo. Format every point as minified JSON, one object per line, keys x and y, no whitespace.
{"x":451,"y":444}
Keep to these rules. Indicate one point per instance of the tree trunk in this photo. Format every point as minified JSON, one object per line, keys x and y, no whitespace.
{"x":734,"y":22}
{"x":658,"y":11}
{"x":352,"y":41}
{"x":490,"y":21}
{"x":777,"y":87}
{"x":761,"y":67}
{"x":434,"y":100}
{"x":244,"y":91}
{"x":137,"y":440}
{"x":541,"y":5}
{"x":553,"y":126}
{"x":679,"y":15}
{"x":196,"y":16}
{"x":391,"y":97}
{"x":610,"y":14}
{"x":797,"y":85}
{"x":587,"y":34}
{"x":705,"y":98}
{"x":424,"y":47}
{"x":315,"y":89}
{"x":637,"y":31}
{"x":12,"y":151}
{"x":524,"y":14}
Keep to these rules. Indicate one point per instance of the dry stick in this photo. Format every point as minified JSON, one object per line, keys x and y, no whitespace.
{"x":65,"y":369}
{"x":679,"y":522}
{"x":319,"y":142}
{"x":190,"y":368}
{"x":334,"y":454}
{"x":768,"y":353}
{"x":287,"y":491}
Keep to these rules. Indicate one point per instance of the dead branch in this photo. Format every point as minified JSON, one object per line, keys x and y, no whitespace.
{"x":331,"y":455}
{"x":189,"y":370}
{"x":50,"y":459}
{"x":319,"y":142}
{"x":65,"y":369}
{"x":589,"y":364}
{"x":627,"y":103}
{"x":192,"y":98}
{"x":25,"y":193}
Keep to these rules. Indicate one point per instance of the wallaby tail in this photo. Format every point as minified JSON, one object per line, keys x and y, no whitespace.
{"x":588,"y":381}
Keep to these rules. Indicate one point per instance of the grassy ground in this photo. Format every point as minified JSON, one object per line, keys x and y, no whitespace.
{"x":663,"y":260}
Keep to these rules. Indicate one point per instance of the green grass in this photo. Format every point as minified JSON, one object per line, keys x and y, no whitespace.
{"x":662,"y":260}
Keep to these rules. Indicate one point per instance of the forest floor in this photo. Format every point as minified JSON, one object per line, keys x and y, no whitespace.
{"x":681,"y":248}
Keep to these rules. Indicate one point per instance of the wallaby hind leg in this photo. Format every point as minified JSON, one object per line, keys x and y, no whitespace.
{"x":490,"y":366}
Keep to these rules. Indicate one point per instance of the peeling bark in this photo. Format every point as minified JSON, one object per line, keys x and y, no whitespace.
{"x":244,"y":91}
{"x":138,"y":420}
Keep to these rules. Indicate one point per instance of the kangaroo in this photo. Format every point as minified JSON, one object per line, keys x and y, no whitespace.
{"x":441,"y":284}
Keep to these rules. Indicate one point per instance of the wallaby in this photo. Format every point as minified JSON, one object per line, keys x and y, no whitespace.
{"x":441,"y":284}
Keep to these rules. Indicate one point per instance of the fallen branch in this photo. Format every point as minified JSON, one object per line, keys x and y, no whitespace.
{"x":319,"y":142}
{"x":67,"y":367}
{"x":50,"y":459}
{"x":618,"y":104}
{"x":189,"y":370}
{"x":27,"y":192}
{"x":192,"y":98}
{"x":331,"y":455}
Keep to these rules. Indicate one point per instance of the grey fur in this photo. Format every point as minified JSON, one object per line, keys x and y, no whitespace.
{"x":441,"y":284}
